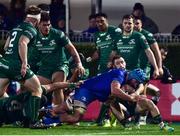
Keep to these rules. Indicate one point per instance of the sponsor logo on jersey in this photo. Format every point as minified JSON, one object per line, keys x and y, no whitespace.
{"x":38,"y":44}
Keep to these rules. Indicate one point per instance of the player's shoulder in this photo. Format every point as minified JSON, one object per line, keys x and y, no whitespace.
{"x":146,"y":33}
{"x":56,"y":32}
{"x":28,"y":28}
{"x":138,"y":35}
{"x":118,"y":71}
{"x":112,"y":28}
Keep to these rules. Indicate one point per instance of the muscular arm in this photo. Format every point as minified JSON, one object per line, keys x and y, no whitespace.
{"x":157,"y":54}
{"x":23,"y":42}
{"x":118,"y":92}
{"x":71,"y":49}
{"x":60,"y":85}
{"x":140,"y":89}
{"x":152,"y":60}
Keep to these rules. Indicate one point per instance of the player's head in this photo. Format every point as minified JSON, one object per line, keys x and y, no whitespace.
{"x":101,"y":21}
{"x":33,"y":14}
{"x":137,"y":24}
{"x":127,"y":23}
{"x":92,"y":21}
{"x":118,"y":62}
{"x":138,"y":10}
{"x":45,"y":24}
{"x":135,"y":77}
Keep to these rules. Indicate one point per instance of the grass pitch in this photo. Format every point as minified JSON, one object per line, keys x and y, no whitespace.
{"x":84,"y":129}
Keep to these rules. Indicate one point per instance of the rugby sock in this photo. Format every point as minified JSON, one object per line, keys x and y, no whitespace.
{"x":157,"y":119}
{"x":32,"y":108}
{"x":102,"y":114}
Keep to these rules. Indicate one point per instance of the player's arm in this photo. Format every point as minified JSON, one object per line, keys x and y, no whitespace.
{"x":71,"y":49}
{"x":140,"y":90}
{"x":118,"y":92}
{"x":152,"y":60}
{"x":60,"y":85}
{"x":23,"y":42}
{"x":157,"y":54}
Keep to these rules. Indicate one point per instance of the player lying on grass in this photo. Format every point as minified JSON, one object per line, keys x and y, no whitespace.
{"x":17,"y":108}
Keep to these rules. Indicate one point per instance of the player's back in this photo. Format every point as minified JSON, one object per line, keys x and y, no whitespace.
{"x":101,"y":85}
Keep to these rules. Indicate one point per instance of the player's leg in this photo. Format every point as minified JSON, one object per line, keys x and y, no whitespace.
{"x":154,"y":92}
{"x":3,"y":85}
{"x":59,"y":76}
{"x":145,"y":104}
{"x":32,"y":84}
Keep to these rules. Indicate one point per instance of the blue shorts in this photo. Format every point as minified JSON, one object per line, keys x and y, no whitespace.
{"x":84,"y":95}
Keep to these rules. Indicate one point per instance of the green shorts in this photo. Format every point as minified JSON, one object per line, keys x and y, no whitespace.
{"x":12,"y":70}
{"x":47,"y":72}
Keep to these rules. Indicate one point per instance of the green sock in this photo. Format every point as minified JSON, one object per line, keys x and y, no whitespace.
{"x":102,"y":114}
{"x":32,"y":107}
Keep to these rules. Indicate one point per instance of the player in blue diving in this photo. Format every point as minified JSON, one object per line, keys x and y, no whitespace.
{"x":102,"y":87}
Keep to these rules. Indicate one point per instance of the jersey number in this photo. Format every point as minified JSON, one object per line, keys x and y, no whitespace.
{"x":14,"y":34}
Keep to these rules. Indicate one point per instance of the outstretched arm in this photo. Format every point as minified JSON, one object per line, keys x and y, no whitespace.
{"x":60,"y":85}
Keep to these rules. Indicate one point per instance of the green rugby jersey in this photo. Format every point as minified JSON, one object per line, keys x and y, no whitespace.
{"x":26,"y":29}
{"x":105,"y":44}
{"x":50,"y":49}
{"x":130,"y":47}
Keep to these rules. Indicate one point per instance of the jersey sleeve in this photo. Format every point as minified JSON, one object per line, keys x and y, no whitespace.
{"x":117,"y":32}
{"x":119,"y":75}
{"x":63,"y":39}
{"x":30,"y":32}
{"x":143,"y":42}
{"x":150,"y":38}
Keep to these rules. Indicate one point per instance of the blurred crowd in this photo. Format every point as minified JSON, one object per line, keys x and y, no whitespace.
{"x":10,"y":18}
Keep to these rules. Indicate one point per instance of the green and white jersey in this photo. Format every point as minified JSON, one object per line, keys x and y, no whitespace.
{"x":50,"y":49}
{"x":130,"y":47}
{"x":26,"y":29}
{"x":144,"y":63}
{"x":105,"y":44}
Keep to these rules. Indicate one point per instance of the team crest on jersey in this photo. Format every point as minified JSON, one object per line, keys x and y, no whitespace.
{"x":52,"y":42}
{"x":132,"y":41}
{"x":108,"y":37}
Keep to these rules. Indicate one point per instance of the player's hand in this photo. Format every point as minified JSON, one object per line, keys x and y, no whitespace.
{"x":79,"y":83}
{"x":80,"y":69}
{"x":134,"y":97}
{"x":23,"y":69}
{"x":161,"y":72}
{"x":109,"y":64}
{"x":156,"y":74}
